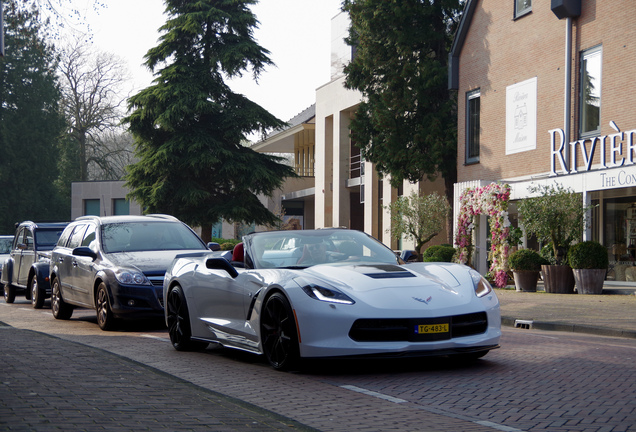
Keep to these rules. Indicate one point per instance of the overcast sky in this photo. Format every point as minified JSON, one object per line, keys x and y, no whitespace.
{"x":296,"y":32}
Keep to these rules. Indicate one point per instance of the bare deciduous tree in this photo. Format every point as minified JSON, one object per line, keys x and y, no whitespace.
{"x":93,"y":106}
{"x":112,"y":157}
{"x":62,"y":14}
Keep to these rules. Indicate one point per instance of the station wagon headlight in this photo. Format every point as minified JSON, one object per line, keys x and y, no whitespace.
{"x":330,"y":295}
{"x":131,"y":277}
{"x":481,"y":285}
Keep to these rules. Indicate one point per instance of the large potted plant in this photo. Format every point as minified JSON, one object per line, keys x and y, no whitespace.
{"x":526,"y":266}
{"x":589,"y":262}
{"x":556,"y":215}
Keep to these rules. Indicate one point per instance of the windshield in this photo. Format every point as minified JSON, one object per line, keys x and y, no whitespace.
{"x":148,"y":236}
{"x":300,"y":249}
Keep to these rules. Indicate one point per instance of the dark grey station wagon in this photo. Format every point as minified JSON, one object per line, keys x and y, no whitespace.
{"x":116,"y":265}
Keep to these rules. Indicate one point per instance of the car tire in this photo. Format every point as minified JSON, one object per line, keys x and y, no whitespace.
{"x":61,"y":310}
{"x":178,"y":320}
{"x":37,"y":296}
{"x":105,"y":317}
{"x":279,"y":337}
{"x":9,"y":293}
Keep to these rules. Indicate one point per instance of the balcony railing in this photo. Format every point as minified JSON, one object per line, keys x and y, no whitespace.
{"x":356,"y":166}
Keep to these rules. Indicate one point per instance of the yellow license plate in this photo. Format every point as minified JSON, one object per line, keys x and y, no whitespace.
{"x":432,"y":328}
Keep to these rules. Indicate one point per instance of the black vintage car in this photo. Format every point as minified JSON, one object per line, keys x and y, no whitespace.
{"x":27,"y":268}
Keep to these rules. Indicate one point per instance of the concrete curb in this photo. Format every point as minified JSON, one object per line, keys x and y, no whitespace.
{"x":572,"y":328}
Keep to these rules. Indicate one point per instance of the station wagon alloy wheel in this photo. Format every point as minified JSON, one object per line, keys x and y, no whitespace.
{"x":61,"y":309}
{"x":105,"y":317}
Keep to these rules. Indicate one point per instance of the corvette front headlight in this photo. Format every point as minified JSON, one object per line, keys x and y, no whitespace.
{"x":331,"y":295}
{"x":481,"y":285}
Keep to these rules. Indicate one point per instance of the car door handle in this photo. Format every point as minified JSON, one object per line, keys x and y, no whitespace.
{"x":60,"y":260}
{"x":74,"y":263}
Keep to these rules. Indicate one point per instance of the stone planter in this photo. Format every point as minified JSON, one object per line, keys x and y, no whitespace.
{"x":589,"y":281}
{"x":526,"y":280}
{"x":558,"y":279}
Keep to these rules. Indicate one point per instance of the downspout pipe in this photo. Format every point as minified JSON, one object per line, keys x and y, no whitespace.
{"x":567,"y":9}
{"x":568,"y":90}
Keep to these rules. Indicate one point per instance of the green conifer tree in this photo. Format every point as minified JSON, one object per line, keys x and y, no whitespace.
{"x":30,"y":123}
{"x":190,"y":127}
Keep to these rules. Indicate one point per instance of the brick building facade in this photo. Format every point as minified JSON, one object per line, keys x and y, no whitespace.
{"x":542,"y":85}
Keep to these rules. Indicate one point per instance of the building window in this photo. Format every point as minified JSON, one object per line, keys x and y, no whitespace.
{"x":522,"y":7}
{"x":121,"y":206}
{"x":472,"y":126}
{"x":590,"y":115}
{"x":91,"y":207}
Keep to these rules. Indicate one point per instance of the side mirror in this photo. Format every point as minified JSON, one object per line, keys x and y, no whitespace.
{"x":221,"y":264}
{"x":214,"y":246}
{"x":84,"y":251}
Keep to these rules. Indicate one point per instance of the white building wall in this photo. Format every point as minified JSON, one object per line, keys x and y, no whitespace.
{"x":333,"y":105}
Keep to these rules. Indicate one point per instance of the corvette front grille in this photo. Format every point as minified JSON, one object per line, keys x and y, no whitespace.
{"x":403,"y":329}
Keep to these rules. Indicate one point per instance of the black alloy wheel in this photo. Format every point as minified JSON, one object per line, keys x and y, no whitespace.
{"x":105,"y":317}
{"x":178,"y":320}
{"x":9,"y":293}
{"x":61,"y":309}
{"x":37,"y":296}
{"x":278,"y":333}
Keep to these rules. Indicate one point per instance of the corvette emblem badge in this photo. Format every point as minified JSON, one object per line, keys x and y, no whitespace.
{"x":422,"y":300}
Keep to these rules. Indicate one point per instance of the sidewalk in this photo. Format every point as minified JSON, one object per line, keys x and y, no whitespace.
{"x":612,"y":313}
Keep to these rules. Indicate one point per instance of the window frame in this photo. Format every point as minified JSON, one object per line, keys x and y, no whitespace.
{"x":470,"y":139}
{"x":584,"y":54}
{"x":522,"y":12}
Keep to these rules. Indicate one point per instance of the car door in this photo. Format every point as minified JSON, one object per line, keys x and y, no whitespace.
{"x":222,"y":303}
{"x":84,"y":268}
{"x":80,"y":290}
{"x":27,"y":256}
{"x":16,"y":256}
{"x":64,"y":261}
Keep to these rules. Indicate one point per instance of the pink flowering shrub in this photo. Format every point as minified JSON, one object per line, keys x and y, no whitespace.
{"x":491,"y":200}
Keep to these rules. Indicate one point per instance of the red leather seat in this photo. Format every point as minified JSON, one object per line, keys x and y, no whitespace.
{"x":238,"y":254}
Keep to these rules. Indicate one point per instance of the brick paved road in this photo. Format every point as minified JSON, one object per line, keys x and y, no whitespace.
{"x":50,"y":384}
{"x":538,"y":381}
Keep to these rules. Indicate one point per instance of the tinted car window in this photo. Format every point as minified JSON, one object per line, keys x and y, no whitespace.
{"x":144,"y":236}
{"x":65,"y":235}
{"x":76,"y":237}
{"x":90,"y":238}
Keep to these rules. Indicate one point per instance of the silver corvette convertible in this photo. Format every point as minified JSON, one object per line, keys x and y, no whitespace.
{"x":291,"y":295}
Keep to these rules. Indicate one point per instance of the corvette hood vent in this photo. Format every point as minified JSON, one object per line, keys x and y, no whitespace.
{"x":383,"y":271}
